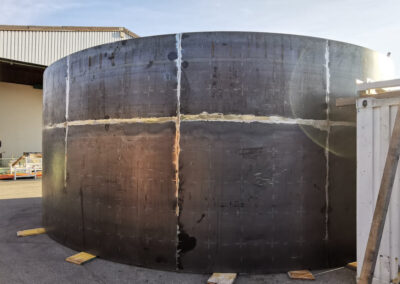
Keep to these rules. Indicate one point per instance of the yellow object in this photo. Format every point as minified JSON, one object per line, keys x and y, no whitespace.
{"x":396,"y":280}
{"x":31,"y":232}
{"x":80,"y":258}
{"x":301,"y":274}
{"x":352,"y":265}
{"x":222,"y":278}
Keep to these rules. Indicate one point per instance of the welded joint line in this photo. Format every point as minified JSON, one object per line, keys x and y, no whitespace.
{"x":328,"y":131}
{"x":249,"y":118}
{"x":208,"y":117}
{"x":111,"y":121}
{"x":67,"y":88}
{"x":177,"y":144}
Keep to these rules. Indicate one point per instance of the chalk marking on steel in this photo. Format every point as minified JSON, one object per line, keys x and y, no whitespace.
{"x":328,"y":131}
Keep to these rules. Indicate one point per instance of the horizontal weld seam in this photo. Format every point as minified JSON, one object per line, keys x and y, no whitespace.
{"x":215,"y":117}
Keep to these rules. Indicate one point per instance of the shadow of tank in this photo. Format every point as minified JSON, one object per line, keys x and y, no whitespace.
{"x":202,"y":152}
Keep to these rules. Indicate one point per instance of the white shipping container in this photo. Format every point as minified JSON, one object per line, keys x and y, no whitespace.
{"x":375,"y":120}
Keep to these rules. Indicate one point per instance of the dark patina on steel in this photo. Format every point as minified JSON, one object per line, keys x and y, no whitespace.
{"x":202,"y":152}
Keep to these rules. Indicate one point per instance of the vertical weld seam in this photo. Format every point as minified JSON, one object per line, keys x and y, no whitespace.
{"x":327,"y":93}
{"x":66,"y":121}
{"x":177,"y":140}
{"x":82,"y":218}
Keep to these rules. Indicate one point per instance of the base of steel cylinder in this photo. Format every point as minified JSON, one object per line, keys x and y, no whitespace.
{"x":238,"y":268}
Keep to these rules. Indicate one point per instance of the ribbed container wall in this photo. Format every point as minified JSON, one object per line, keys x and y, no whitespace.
{"x":375,"y":121}
{"x":45,"y":47}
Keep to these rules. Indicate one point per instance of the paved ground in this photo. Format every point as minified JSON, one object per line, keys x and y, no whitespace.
{"x":23,"y":188}
{"x":38,"y":259}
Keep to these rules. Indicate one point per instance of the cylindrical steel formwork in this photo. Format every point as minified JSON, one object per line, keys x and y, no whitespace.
{"x":219,"y":151}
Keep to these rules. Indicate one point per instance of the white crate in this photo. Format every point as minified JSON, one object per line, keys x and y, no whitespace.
{"x":375,"y":120}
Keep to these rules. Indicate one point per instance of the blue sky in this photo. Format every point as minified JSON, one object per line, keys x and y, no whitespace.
{"x":374,"y":24}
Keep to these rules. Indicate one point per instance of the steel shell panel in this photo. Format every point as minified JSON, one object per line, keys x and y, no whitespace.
{"x":202,"y":152}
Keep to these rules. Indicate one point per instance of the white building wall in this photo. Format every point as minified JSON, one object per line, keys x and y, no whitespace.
{"x":21,"y":105}
{"x":45,"y":47}
{"x":20,"y":119}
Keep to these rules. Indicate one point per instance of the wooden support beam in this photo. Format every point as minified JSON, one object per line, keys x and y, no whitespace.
{"x":31,"y":232}
{"x":340,"y":102}
{"x":385,"y":95}
{"x":349,"y":101}
{"x":378,"y":85}
{"x":382,"y":205}
{"x":352,"y":266}
{"x":80,"y":258}
{"x":222,"y":278}
{"x":301,"y":274}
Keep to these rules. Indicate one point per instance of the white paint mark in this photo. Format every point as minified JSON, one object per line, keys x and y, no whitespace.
{"x":328,"y":131}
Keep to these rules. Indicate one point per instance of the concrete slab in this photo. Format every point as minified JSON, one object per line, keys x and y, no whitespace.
{"x":38,"y":259}
{"x":23,"y":188}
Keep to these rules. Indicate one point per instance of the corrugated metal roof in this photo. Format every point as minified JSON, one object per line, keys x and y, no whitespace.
{"x":44,"y":44}
{"x":67,"y":29}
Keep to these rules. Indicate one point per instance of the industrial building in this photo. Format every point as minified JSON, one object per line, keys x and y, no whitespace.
{"x":25,"y":52}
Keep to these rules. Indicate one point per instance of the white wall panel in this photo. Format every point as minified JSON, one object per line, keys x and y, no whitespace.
{"x":374,"y":127}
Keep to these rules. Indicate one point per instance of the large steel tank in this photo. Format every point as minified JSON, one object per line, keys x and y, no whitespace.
{"x":202,"y":152}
